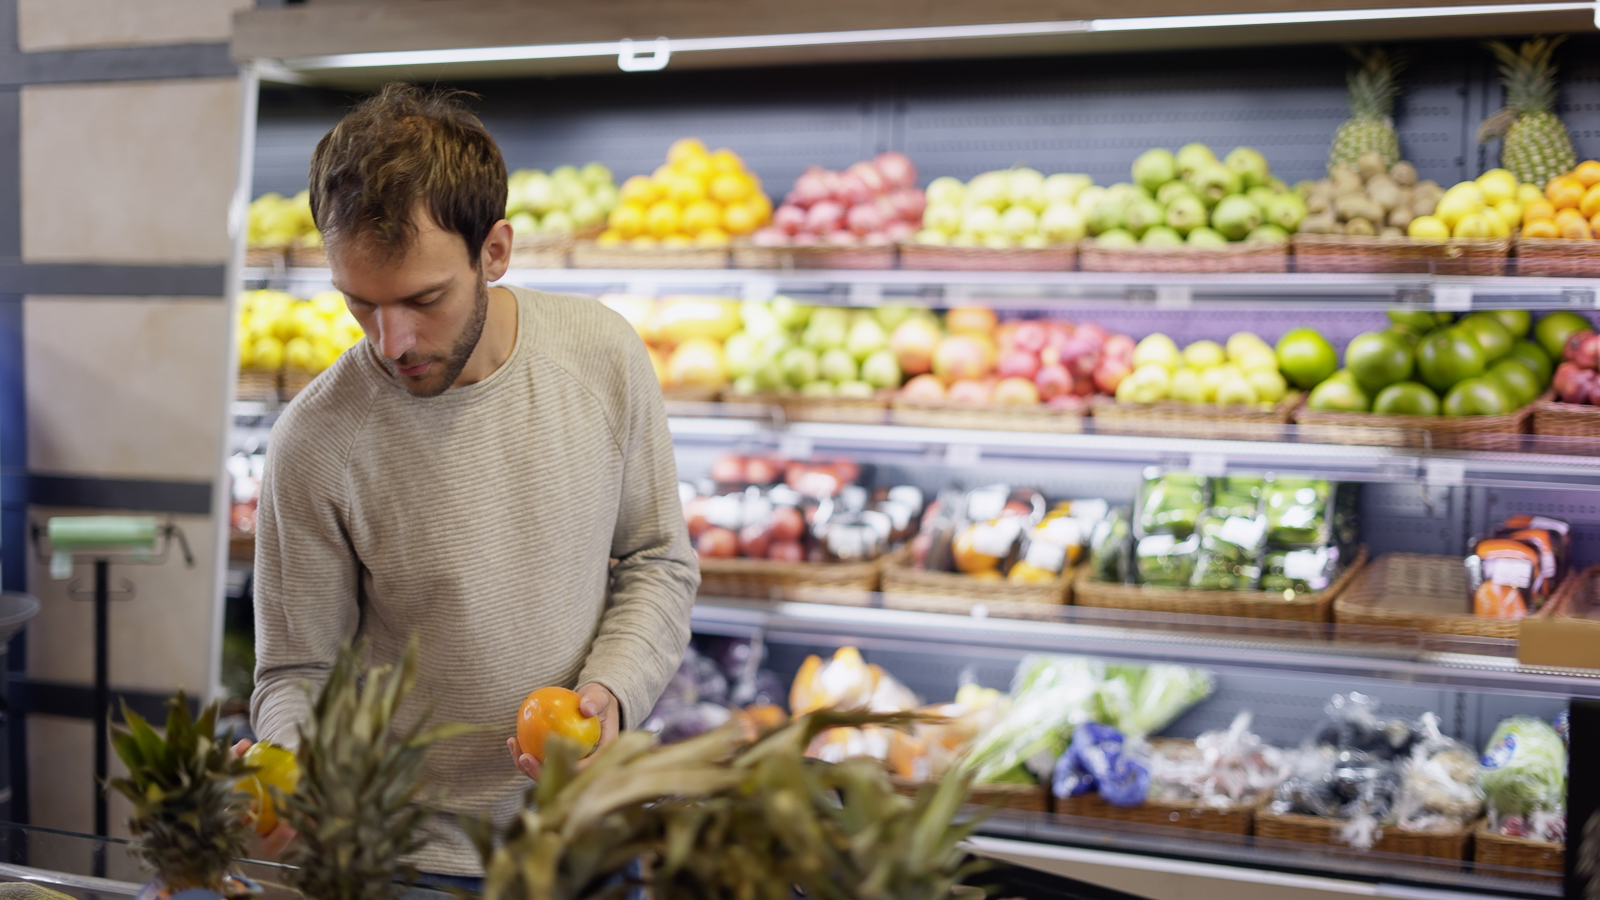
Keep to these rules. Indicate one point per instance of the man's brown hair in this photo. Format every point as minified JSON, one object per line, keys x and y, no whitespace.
{"x":399,"y":147}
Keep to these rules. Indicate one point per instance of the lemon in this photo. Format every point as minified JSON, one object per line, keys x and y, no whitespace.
{"x":627,"y":220}
{"x":685,"y":189}
{"x":1456,"y":205}
{"x":1428,"y":228}
{"x":725,"y":160}
{"x":639,"y":189}
{"x":1527,"y":193}
{"x":1510,"y":212}
{"x":299,"y":354}
{"x":1497,"y":226}
{"x":739,"y":218}
{"x":267,"y":354}
{"x":276,"y":768}
{"x":684,"y":148}
{"x":676,"y":241}
{"x":329,"y":303}
{"x":661,"y":219}
{"x":611,"y":237}
{"x":1204,"y":355}
{"x":643,"y":242}
{"x":1473,"y":225}
{"x":700,"y":215}
{"x":246,"y":350}
{"x":1498,"y":185}
{"x":711,"y":237}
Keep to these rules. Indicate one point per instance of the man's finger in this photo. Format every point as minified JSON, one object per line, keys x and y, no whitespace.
{"x":240,"y":746}
{"x":530,"y":766}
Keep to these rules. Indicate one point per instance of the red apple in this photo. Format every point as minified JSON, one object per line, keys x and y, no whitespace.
{"x":1053,"y":381}
{"x":1118,"y":346}
{"x":897,"y":168}
{"x":1586,"y":387}
{"x":971,"y":391}
{"x":909,"y":203}
{"x":805,"y":239}
{"x":1015,"y":392}
{"x":787,"y":524}
{"x":754,"y":539}
{"x":1110,"y":374}
{"x":694,"y":514}
{"x":960,"y":358}
{"x":786,"y":551}
{"x":717,"y":543}
{"x":844,"y":237}
{"x":1005,"y":336}
{"x":865,"y":217}
{"x":852,"y":189}
{"x":1563,"y":381}
{"x":1032,"y":335}
{"x":810,"y":187}
{"x":770,"y":236}
{"x":728,"y":470}
{"x":825,"y":216}
{"x":876,"y":239}
{"x":846,"y":471}
{"x":1583,"y":349}
{"x":760,"y":470}
{"x":1065,"y":401}
{"x":1017,"y":363}
{"x":870,"y":176}
{"x":1093,"y":331}
{"x":913,"y":343}
{"x":924,"y":389}
{"x":900,"y":232}
{"x":830,"y":181}
{"x":789,"y":218}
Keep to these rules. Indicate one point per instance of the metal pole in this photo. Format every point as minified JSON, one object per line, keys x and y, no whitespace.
{"x":102,"y":702}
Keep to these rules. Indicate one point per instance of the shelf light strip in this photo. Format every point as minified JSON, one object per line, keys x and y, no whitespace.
{"x":625,"y":49}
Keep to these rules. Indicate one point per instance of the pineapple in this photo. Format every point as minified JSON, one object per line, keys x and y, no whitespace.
{"x":1536,"y":146}
{"x":189,"y":820}
{"x":355,"y":809}
{"x":1370,"y":128}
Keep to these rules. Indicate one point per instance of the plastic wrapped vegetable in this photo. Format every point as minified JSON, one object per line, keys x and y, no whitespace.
{"x":1164,"y":560}
{"x":1110,"y":547}
{"x":1049,"y":696}
{"x":1163,"y":693}
{"x":1354,"y":724}
{"x":1297,"y":512}
{"x":1220,"y":769}
{"x":847,"y":682}
{"x":1100,"y":759}
{"x":1172,"y":503}
{"x":1300,"y":571}
{"x":1237,"y":496}
{"x":1340,"y":784}
{"x":1438,"y":783}
{"x":1229,"y":550}
{"x":1524,"y":767}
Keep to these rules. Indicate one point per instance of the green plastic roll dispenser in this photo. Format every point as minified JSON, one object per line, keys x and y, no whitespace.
{"x":134,"y":535}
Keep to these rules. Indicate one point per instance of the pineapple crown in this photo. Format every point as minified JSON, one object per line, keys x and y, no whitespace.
{"x":189,"y":820}
{"x":1374,"y":82}
{"x":355,"y":808}
{"x":1529,"y":76}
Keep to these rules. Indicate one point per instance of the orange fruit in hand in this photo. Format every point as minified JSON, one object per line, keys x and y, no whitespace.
{"x":1540,"y":228}
{"x":554,"y":710}
{"x":1538,"y":209}
{"x":1565,"y":191}
{"x":1587,"y":172}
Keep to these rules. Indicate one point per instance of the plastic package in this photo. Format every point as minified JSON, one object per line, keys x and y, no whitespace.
{"x":1110,"y":547}
{"x":1438,"y":783}
{"x":1299,"y":571}
{"x":1354,"y":724}
{"x":1172,"y":503}
{"x":1050,"y":695}
{"x":1297,"y":511}
{"x":1340,"y":784}
{"x":1100,"y":759}
{"x":1220,"y":769}
{"x":1524,"y":768}
{"x":1164,"y":560}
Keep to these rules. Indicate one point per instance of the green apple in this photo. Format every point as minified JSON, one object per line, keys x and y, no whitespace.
{"x":837,"y":365}
{"x":865,"y":338}
{"x":1477,"y":396}
{"x":1306,"y":358}
{"x":1406,"y":398}
{"x":881,"y":370}
{"x":1378,"y":359}
{"x":799,"y":366}
{"x":1448,"y":355}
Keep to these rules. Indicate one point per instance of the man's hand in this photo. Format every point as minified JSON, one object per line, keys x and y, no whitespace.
{"x":597,"y":701}
{"x":270,"y":845}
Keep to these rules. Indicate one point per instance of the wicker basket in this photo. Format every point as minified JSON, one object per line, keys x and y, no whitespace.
{"x":1191,"y":814}
{"x":1501,"y":433}
{"x":1024,"y":797}
{"x":1038,"y":417}
{"x":748,"y":257}
{"x":294,"y":381}
{"x":843,"y":584}
{"x":1354,"y":253}
{"x":1241,"y":257}
{"x":905,"y":587}
{"x":1531,"y":856}
{"x":589,"y":255}
{"x":1171,"y":418}
{"x":1553,"y":418}
{"x":983,"y":259}
{"x":255,"y":385}
{"x":266,"y":257}
{"x":1452,"y":845}
{"x":847,"y":410}
{"x":1558,"y":258}
{"x":308,"y":257}
{"x":690,"y":394}
{"x":1424,"y":592}
{"x":1313,"y":607}
{"x":541,"y":251}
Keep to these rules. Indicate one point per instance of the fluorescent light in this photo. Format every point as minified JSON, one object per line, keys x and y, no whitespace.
{"x":631,"y":58}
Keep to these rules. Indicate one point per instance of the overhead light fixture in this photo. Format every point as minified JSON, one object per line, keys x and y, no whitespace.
{"x":631,"y":57}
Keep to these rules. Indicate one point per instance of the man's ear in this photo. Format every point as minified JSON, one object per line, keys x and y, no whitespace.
{"x":495,"y":258}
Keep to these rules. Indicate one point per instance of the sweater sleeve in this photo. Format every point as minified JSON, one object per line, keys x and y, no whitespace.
{"x":645,"y":627}
{"x":305,"y":580}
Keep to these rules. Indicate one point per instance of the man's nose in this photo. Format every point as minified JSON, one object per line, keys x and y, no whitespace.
{"x":397,"y":332}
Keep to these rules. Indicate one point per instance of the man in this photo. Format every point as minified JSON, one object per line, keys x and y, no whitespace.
{"x":466,"y":474}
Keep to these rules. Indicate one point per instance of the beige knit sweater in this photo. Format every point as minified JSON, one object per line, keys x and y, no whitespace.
{"x":483,"y":521}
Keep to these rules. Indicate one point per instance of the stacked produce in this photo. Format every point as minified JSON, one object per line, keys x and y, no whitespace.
{"x":561,"y":202}
{"x":1570,"y":207}
{"x":1524,"y":776}
{"x":1368,"y":198}
{"x":849,"y":682}
{"x":1221,"y":769}
{"x":1514,"y":571}
{"x":1190,"y":198}
{"x":823,"y":351}
{"x":1003,"y":533}
{"x":1006,"y":208}
{"x":279,"y":221}
{"x":765,"y":508}
{"x":278,"y":331}
{"x":698,"y":198}
{"x":874,"y":203}
{"x":1244,"y":372}
{"x":1280,"y":534}
{"x":1534,"y":143}
{"x":684,"y":335}
{"x":1491,"y":206}
{"x":1575,"y":343}
{"x":1428,"y":364}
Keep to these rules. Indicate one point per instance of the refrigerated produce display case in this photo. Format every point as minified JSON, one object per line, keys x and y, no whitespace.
{"x":1361,"y":581}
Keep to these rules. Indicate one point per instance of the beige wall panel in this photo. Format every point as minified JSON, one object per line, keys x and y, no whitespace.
{"x":63,"y":24}
{"x":132,"y":172}
{"x":160,"y":639}
{"x":61,"y":794}
{"x":126,"y":387}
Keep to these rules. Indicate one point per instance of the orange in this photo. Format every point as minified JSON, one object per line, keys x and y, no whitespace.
{"x":1577,"y":230}
{"x":554,"y":710}
{"x":1594,"y":223}
{"x":700,"y":215}
{"x":725,"y":160}
{"x":1564,"y":191}
{"x":683,"y":148}
{"x":661,"y":219}
{"x":1590,"y":204}
{"x":1540,"y":228}
{"x":684,"y":190}
{"x":627,"y":219}
{"x":1538,"y":209}
{"x":640,"y":189}
{"x":730,"y":187}
{"x":1587,"y":172}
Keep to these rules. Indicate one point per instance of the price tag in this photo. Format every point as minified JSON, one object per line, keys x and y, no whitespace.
{"x":962,"y":455}
{"x":980,"y":610}
{"x":1584,"y":298}
{"x":1211,"y":465}
{"x":643,"y":288}
{"x":1445,"y":472}
{"x":1174,"y":296}
{"x":1452,"y":297}
{"x":794,"y":446}
{"x":865,"y":294}
{"x":760,"y":289}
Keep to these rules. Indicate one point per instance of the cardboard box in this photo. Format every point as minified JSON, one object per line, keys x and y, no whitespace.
{"x":1560,"y":641}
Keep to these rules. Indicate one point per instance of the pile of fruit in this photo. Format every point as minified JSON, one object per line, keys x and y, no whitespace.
{"x":1003,"y":209}
{"x":1569,"y":208}
{"x":1244,"y":372}
{"x":1190,"y":198}
{"x":785,"y":347}
{"x":565,"y":200}
{"x":874,"y":203}
{"x":1491,"y":206}
{"x":978,"y":361}
{"x":278,"y":331}
{"x":279,"y":221}
{"x":1428,"y":364}
{"x":1576,"y":379}
{"x":698,"y":198}
{"x":1369,"y":199}
{"x":684,"y":335}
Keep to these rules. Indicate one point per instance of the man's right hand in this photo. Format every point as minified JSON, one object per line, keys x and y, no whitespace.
{"x":271,"y":845}
{"x":524,"y":762}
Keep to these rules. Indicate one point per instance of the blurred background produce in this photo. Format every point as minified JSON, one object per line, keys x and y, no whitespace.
{"x":564,"y":201}
{"x":278,"y":221}
{"x":874,"y":202}
{"x":1367,"y":197}
{"x":1244,"y":372}
{"x":684,"y":335}
{"x":1569,"y":207}
{"x":698,"y":197}
{"x":1018,"y":207}
{"x":1000,"y":532}
{"x":278,"y":331}
{"x":1534,"y":143}
{"x":1192,"y":198}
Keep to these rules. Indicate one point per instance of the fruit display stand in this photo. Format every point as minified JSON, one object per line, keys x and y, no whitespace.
{"x":1558,"y":258}
{"x":1520,"y":856}
{"x":1553,"y":418}
{"x":1493,"y":433}
{"x":984,"y":259}
{"x":798,"y":408}
{"x":1258,"y":422}
{"x":1421,"y":592}
{"x":907,"y":587}
{"x":1165,"y":812}
{"x":846,"y":583}
{"x":745,"y":256}
{"x":590,"y":255}
{"x":1312,"y":607}
{"x":1455,"y":844}
{"x":1339,"y":253}
{"x":1036,"y":417}
{"x":1239,"y":257}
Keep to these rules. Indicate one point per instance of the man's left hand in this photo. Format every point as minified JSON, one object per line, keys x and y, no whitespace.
{"x":595,"y":701}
